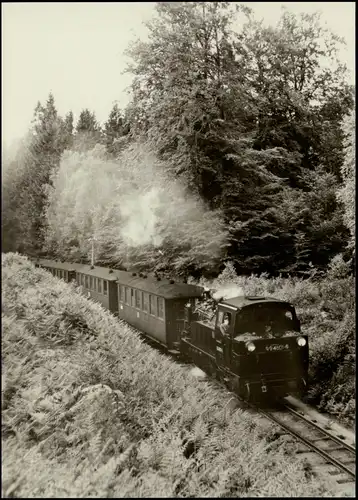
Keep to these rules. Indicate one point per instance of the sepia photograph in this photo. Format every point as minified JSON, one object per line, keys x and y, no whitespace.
{"x":178,"y":250}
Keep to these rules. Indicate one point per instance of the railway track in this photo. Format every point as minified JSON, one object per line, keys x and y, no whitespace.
{"x":315,"y":438}
{"x":312,"y":437}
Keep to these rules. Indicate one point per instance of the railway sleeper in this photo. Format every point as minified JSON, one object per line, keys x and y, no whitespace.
{"x":323,"y":438}
{"x":345,"y":479}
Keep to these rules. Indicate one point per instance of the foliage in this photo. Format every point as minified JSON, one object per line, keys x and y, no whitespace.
{"x":88,"y":131}
{"x":139,"y":215}
{"x":300,"y":85}
{"x":27,"y":174}
{"x":96,"y":417}
{"x":115,"y":128}
{"x":346,"y":194}
{"x":244,"y":118}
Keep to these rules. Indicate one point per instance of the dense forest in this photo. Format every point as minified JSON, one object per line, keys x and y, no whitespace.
{"x":238,"y":145}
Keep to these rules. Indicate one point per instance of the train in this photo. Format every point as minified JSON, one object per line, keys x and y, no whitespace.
{"x":253,"y":343}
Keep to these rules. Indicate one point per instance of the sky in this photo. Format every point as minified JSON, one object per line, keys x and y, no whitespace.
{"x":75,"y":50}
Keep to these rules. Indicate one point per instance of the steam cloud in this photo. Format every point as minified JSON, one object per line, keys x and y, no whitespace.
{"x":132,"y":202}
{"x":228,"y":292}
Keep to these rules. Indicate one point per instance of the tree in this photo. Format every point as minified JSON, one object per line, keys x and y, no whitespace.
{"x":24,"y":195}
{"x":187,"y":87}
{"x":347,"y":192}
{"x":88,"y":131}
{"x":300,"y":86}
{"x":115,"y":129}
{"x":68,"y":129}
{"x":243,"y":118}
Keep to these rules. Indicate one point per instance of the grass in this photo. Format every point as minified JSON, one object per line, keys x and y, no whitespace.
{"x":91,"y":410}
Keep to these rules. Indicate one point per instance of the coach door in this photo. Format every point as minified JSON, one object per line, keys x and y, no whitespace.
{"x":175,"y":317}
{"x":224,"y":329}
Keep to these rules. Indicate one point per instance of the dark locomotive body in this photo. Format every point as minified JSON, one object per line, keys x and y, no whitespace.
{"x":260,"y":350}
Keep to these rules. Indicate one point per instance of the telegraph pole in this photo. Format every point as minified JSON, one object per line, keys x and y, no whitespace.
{"x":93,"y":239}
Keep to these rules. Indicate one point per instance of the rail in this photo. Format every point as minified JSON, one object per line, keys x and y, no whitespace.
{"x":321,"y":435}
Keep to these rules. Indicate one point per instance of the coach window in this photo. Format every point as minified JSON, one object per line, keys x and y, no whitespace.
{"x":161,"y":307}
{"x":127,"y":300}
{"x":105,"y":287}
{"x":99,"y":285}
{"x":86,"y":281}
{"x":121,"y":293}
{"x":132,"y":297}
{"x":152,"y":307}
{"x":137,"y":299}
{"x":145,"y":302}
{"x":82,"y":279}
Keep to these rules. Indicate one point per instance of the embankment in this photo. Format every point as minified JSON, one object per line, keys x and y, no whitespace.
{"x":90,"y":410}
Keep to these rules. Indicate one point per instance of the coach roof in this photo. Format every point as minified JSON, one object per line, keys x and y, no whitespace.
{"x":163,"y":288}
{"x":56,"y":264}
{"x":99,"y":272}
{"x":247,"y":300}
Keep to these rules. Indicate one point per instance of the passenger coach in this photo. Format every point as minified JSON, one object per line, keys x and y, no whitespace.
{"x":155,"y":306}
{"x":99,"y":284}
{"x":63,"y":270}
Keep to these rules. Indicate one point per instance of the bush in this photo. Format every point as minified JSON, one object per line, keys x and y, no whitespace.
{"x":87,"y":411}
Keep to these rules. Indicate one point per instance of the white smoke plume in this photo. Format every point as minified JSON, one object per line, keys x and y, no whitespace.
{"x":227,"y":292}
{"x":132,"y":205}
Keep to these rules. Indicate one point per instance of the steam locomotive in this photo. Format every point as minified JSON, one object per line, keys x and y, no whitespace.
{"x":253,"y":343}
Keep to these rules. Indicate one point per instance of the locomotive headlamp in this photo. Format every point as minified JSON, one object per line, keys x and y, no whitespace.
{"x":250,"y":346}
{"x":301,"y":341}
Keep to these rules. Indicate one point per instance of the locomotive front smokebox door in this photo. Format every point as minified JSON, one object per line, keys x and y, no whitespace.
{"x":224,"y":330}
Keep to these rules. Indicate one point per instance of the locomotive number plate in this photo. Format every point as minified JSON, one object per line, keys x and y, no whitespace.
{"x":277,"y":347}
